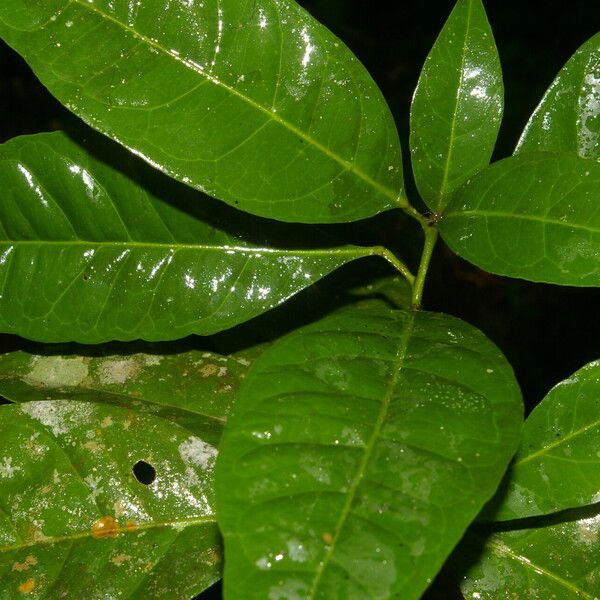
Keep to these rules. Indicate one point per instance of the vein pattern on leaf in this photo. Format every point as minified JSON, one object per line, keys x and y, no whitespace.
{"x":246,"y":77}
{"x":123,"y":252}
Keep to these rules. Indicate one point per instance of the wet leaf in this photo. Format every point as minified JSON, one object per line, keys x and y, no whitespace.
{"x":548,"y":561}
{"x":253,"y":102}
{"x":568,"y":117}
{"x":192,"y":388}
{"x":358,"y":451}
{"x":457,"y":106}
{"x":557,"y":465}
{"x":533,"y":216}
{"x":78,"y":522}
{"x":96,"y":246}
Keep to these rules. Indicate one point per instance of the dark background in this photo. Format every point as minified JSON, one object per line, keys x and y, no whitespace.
{"x":547,"y":332}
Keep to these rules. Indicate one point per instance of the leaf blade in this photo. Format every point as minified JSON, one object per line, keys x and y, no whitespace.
{"x":547,"y":559}
{"x":457,"y":105}
{"x":122,"y":254}
{"x":531,"y":216}
{"x":314,"y":498}
{"x":280,"y":118}
{"x":557,"y":466}
{"x":192,"y":388}
{"x":567,"y":117}
{"x":90,"y":527}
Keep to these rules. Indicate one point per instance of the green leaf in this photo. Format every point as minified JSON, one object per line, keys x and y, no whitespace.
{"x":457,"y":106}
{"x":251,"y":101}
{"x":95,"y":246}
{"x":557,"y":465}
{"x":192,"y":388}
{"x":568,"y":117}
{"x":533,"y":216}
{"x":548,"y":561}
{"x":358,"y":451}
{"x":77,"y":523}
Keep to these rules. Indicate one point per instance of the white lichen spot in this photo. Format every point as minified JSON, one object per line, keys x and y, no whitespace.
{"x":7,"y":469}
{"x":60,"y":416}
{"x":351,"y":437}
{"x":222,"y":372}
{"x":589,"y":530}
{"x":296,"y":551}
{"x":56,"y":371}
{"x":196,"y":452}
{"x":152,"y":360}
{"x":263,"y":563}
{"x":290,"y":589}
{"x":94,"y":485}
{"x":589,"y":108}
{"x":118,"y":371}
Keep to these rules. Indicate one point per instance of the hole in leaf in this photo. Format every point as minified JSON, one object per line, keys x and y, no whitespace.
{"x":144,"y":472}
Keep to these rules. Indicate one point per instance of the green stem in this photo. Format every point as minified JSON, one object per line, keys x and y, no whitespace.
{"x":411,"y":211}
{"x":396,"y":263}
{"x":431,"y":234}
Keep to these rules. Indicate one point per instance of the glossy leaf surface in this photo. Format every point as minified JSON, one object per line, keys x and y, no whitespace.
{"x":358,"y":451}
{"x":557,"y":465}
{"x":251,"y":101}
{"x":568,"y":117}
{"x":457,"y":106}
{"x":77,"y":523}
{"x":95,"y":246}
{"x":559,"y":561}
{"x":192,"y":388}
{"x":533,"y":216}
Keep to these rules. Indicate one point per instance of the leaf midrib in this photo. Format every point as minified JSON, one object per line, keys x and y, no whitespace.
{"x":524,"y":217}
{"x":347,"y":165}
{"x":558,"y":443}
{"x":358,"y":251}
{"x":443,"y":192}
{"x":88,"y":534}
{"x":368,"y":451}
